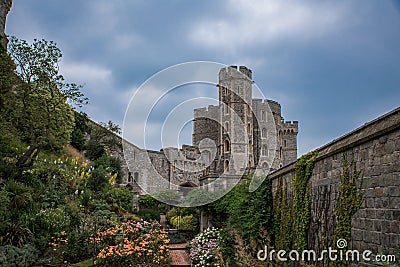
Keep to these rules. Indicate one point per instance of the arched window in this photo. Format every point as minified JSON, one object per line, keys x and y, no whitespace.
{"x":263,"y":115}
{"x":129,"y":177}
{"x":264,"y":151}
{"x":136,"y":177}
{"x":226,"y":165}
{"x":207,"y":155}
{"x":226,"y":108}
{"x":227,"y":146}
{"x":226,"y":127}
{"x":265,"y":165}
{"x":264,"y":133}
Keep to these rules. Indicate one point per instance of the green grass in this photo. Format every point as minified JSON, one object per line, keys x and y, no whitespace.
{"x":85,"y":263}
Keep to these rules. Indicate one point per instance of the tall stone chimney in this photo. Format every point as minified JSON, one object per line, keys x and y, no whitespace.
{"x":5,"y":6}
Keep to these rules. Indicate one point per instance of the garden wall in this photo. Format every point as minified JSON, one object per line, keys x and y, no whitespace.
{"x":376,"y":150}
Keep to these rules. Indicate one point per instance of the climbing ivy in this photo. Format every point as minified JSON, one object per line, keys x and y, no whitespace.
{"x":283,"y":219}
{"x":348,"y":202}
{"x":301,"y":202}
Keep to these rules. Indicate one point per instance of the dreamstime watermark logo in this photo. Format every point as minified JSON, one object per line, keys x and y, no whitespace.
{"x":160,"y":109}
{"x":331,"y":254}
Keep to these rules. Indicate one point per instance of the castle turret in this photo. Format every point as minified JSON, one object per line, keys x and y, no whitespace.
{"x":288,"y":148}
{"x":236,"y":116}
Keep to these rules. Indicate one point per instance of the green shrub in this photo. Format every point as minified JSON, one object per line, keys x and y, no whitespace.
{"x":94,"y":150}
{"x":185,"y":223}
{"x":52,"y":221}
{"x":148,"y":202}
{"x":12,"y":256}
{"x":98,"y":180}
{"x":17,"y":235}
{"x":149,"y":215}
{"x":111,"y":165}
{"x":121,"y":197}
{"x":248,"y":211}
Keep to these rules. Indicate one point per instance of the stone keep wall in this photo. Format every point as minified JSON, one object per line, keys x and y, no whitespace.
{"x":5,"y":6}
{"x":376,"y":151}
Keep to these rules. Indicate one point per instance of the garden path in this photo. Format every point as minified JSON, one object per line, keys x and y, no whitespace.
{"x":179,"y":255}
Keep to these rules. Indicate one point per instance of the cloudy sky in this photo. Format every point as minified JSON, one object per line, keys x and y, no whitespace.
{"x":333,"y":65}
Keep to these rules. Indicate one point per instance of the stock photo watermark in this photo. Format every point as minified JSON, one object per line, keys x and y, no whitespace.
{"x":341,"y":253}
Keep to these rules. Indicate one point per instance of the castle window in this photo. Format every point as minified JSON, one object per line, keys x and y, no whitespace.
{"x":280,"y":153}
{"x":264,"y":133}
{"x":226,"y":108}
{"x":263,"y":115}
{"x":207,"y":155}
{"x":226,"y":165}
{"x":129,"y":177}
{"x":226,"y":129}
{"x":226,"y":145}
{"x":249,"y":128}
{"x":264,"y":151}
{"x":284,"y":143}
{"x":265,"y":166}
{"x":136,"y":177}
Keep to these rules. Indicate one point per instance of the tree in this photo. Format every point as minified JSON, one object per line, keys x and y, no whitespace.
{"x":41,"y":108}
{"x":80,"y":129}
{"x":107,"y":135}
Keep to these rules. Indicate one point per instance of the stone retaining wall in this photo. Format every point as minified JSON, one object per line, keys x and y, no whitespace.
{"x":376,"y":151}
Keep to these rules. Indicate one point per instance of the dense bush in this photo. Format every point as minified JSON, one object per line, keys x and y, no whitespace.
{"x":148,"y":214}
{"x":98,"y":179}
{"x":203,"y":248}
{"x":110,"y":164}
{"x":148,"y":202}
{"x":185,"y":223}
{"x":133,"y":244}
{"x":80,"y":129}
{"x":248,"y":211}
{"x":119,"y":198}
{"x":12,"y":256}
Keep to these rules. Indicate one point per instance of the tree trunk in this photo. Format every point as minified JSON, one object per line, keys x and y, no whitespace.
{"x":26,"y":158}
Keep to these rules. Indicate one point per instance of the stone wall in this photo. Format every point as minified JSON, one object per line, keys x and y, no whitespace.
{"x":376,"y":151}
{"x":5,"y":6}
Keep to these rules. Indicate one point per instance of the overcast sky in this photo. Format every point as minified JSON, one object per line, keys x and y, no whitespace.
{"x":333,"y":65}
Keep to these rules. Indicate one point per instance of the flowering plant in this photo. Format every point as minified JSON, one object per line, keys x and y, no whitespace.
{"x":133,"y":243}
{"x":203,"y":248}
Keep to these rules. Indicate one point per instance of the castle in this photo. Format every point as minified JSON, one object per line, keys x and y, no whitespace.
{"x":240,"y":136}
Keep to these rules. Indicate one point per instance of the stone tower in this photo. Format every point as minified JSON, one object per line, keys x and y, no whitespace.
{"x":236,"y":118}
{"x":5,"y":6}
{"x":249,"y":135}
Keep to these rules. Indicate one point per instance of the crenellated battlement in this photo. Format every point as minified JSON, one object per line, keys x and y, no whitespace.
{"x":207,"y":112}
{"x":234,"y":72}
{"x":290,"y":127}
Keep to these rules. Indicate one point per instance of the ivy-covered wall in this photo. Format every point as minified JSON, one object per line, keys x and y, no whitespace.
{"x":374,"y":150}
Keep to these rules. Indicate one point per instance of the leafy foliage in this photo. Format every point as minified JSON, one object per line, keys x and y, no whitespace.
{"x":301,"y":202}
{"x":248,"y":211}
{"x":348,"y":202}
{"x":203,"y":248}
{"x":40,"y":109}
{"x":185,"y":223}
{"x":283,"y":218}
{"x":18,"y":257}
{"x":80,"y":129}
{"x":133,"y":244}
